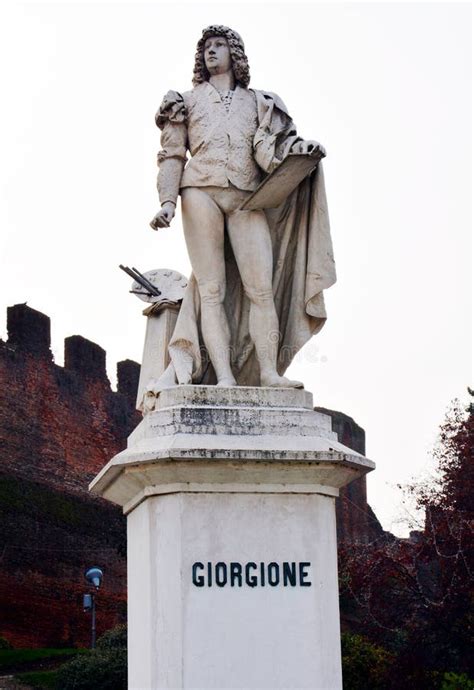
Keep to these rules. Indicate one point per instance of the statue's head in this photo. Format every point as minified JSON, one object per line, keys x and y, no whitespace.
{"x":240,"y":65}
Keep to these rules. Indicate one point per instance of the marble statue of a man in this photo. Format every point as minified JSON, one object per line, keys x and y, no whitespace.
{"x":255,"y":295}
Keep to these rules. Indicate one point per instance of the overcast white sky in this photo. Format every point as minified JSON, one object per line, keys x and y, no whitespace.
{"x":385,"y":87}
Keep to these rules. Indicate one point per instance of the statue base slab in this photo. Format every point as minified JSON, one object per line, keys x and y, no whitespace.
{"x":232,"y":552}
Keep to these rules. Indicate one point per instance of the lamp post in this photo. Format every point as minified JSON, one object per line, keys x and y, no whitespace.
{"x":94,"y":577}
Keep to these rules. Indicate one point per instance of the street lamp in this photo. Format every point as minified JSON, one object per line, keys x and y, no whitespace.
{"x":94,"y":577}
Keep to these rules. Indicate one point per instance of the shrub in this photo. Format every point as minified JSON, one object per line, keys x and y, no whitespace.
{"x":4,"y":644}
{"x":365,"y":666}
{"x":96,"y":671}
{"x":104,"y":668}
{"x":113,"y":639}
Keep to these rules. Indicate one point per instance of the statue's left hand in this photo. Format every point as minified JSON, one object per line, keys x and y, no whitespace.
{"x":308,"y":146}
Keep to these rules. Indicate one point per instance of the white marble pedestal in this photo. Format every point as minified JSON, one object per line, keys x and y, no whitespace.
{"x":232,"y":552}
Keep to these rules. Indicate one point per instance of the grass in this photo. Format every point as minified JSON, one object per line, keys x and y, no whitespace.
{"x":20,"y":657}
{"x":38,"y":679}
{"x":18,"y":660}
{"x":36,"y":668}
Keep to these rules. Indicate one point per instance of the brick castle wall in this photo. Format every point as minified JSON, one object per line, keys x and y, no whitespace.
{"x":58,"y":427}
{"x":356,"y":520}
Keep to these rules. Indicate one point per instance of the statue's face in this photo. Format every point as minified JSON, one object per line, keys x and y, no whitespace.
{"x":217,"y":55}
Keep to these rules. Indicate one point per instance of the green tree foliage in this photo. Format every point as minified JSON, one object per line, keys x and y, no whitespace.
{"x":365,"y":666}
{"x":456,"y":681}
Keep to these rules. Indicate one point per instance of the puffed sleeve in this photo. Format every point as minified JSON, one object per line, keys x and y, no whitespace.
{"x":171,"y":119}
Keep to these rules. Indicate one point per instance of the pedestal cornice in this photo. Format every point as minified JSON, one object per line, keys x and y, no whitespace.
{"x":243,"y":439}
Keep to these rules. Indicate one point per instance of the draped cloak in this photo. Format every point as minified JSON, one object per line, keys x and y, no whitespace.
{"x":303,"y":267}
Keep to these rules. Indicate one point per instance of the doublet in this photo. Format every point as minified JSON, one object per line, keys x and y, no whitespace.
{"x":220,"y":142}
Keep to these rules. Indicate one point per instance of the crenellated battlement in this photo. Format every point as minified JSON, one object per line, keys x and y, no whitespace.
{"x":29,"y":334}
{"x":60,"y":424}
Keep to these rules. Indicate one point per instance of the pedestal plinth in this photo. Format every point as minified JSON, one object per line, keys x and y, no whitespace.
{"x":232,"y":552}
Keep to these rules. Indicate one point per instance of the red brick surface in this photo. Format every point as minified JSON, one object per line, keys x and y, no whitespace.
{"x":58,"y":428}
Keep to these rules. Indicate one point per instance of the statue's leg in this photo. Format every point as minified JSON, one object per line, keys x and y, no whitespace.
{"x":250,"y":238}
{"x":203,"y":224}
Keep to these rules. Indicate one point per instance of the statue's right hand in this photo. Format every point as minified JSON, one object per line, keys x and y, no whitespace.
{"x":164,"y":216}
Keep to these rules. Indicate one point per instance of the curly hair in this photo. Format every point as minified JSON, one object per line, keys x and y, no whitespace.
{"x":240,"y":62}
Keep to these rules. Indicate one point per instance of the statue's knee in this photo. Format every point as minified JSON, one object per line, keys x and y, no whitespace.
{"x":259,"y":295}
{"x":211,"y":291}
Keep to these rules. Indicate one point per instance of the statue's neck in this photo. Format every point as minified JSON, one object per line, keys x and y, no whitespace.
{"x":223,"y":82}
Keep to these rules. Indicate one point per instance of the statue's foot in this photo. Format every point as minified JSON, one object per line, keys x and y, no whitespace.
{"x":273,"y":380}
{"x":166,"y":380}
{"x":226,"y":382}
